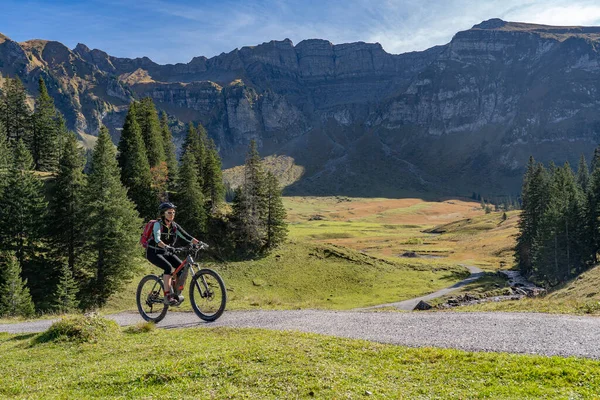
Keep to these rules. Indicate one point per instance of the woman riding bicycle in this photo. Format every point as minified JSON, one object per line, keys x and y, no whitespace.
{"x":164,"y":235}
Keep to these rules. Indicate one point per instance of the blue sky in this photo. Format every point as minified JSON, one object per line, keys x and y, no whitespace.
{"x":177,"y":30}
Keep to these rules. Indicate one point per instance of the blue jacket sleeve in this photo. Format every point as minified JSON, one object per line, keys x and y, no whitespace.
{"x":156,"y":231}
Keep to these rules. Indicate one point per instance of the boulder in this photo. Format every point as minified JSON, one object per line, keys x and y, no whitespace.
{"x":422,"y":305}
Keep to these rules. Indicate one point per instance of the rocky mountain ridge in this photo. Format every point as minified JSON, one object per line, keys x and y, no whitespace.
{"x":451,"y":120}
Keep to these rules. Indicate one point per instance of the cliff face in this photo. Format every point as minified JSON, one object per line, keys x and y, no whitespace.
{"x":453,"y":119}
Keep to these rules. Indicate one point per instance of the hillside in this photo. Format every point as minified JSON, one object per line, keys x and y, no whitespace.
{"x":281,"y":166}
{"x":451,"y":120}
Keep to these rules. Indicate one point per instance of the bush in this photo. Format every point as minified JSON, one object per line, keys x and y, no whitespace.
{"x":80,"y":329}
{"x":591,"y":307}
{"x":141,"y":327}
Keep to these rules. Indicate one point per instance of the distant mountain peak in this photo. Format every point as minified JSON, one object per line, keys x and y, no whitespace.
{"x":82,"y":48}
{"x":493,"y":23}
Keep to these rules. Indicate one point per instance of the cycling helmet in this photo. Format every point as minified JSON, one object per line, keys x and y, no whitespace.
{"x":166,"y":206}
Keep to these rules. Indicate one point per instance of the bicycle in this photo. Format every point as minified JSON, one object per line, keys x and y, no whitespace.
{"x":206,"y":291}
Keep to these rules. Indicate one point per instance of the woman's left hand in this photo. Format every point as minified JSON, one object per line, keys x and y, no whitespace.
{"x":195,"y":241}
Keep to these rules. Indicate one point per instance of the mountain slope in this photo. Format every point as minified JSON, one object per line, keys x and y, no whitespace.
{"x":451,"y":120}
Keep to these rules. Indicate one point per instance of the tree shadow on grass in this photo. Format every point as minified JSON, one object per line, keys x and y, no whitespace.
{"x":25,"y":336}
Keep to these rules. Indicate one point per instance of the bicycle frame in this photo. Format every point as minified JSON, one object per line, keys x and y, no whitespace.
{"x":189,"y":262}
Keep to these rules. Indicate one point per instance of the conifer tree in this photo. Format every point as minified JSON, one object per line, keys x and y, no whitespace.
{"x":249,"y":205}
{"x":147,"y":119}
{"x":170,"y":151}
{"x":15,"y":299}
{"x":135,"y":169}
{"x":113,"y":227}
{"x":16,"y":116}
{"x":23,"y":210}
{"x":66,"y":209}
{"x":534,"y":198}
{"x":65,"y":296}
{"x":194,"y":142}
{"x":62,"y":132}
{"x":214,"y":189}
{"x":557,"y":250}
{"x":276,"y":227}
{"x":191,"y":213}
{"x":595,"y":160}
{"x":593,"y":211}
{"x":5,"y":159}
{"x":244,"y":231}
{"x":583,"y":174}
{"x":44,"y":143}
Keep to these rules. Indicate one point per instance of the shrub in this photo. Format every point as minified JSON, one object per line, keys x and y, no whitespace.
{"x":141,"y":327}
{"x":80,"y":329}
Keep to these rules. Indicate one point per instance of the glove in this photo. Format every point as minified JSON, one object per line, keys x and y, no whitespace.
{"x":169,"y":249}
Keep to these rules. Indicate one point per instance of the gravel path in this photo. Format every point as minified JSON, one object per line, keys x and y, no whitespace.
{"x":409,"y":305}
{"x":528,"y":333}
{"x":500,"y":332}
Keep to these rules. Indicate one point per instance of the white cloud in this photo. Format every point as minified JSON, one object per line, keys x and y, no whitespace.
{"x":406,"y":26}
{"x":566,"y":15}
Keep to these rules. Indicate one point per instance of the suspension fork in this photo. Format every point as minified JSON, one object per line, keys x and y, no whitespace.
{"x":206,"y":291}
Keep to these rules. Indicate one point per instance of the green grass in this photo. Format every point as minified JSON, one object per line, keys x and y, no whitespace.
{"x":304,"y":275}
{"x":491,"y":284}
{"x":301,"y":275}
{"x":218,"y":363}
{"x":580,"y":295}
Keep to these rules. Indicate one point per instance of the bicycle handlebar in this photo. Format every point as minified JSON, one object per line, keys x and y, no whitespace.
{"x":197,"y":247}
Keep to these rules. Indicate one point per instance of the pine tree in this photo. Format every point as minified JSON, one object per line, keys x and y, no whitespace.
{"x":214,"y":189}
{"x":15,"y":299}
{"x":5,"y":160}
{"x":595,"y":160}
{"x":62,"y":132}
{"x":22,"y":212}
{"x":593,"y":211}
{"x":557,"y":250}
{"x":275,"y":224}
{"x":244,"y":235}
{"x":45,"y":141}
{"x":113,"y":227}
{"x":191,"y":213}
{"x":135,"y":169}
{"x":170,"y":151}
{"x":66,"y":209}
{"x":194,"y":142}
{"x":249,"y":205}
{"x":16,"y":116}
{"x":65,"y":296}
{"x":534,"y":198}
{"x":583,"y":174}
{"x":147,"y":119}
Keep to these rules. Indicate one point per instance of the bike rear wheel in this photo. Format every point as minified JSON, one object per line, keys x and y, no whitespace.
{"x":208,"y":295}
{"x":149,"y":297}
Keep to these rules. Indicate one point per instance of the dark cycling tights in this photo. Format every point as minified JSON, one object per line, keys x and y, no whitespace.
{"x":167,"y":262}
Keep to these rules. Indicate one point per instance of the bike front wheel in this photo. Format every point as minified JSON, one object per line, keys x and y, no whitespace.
{"x":149,"y":298}
{"x":208,"y":295}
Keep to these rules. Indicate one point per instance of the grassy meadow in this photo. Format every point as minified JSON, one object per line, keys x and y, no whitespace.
{"x":341,"y":254}
{"x":346,"y":253}
{"x":219,"y":363}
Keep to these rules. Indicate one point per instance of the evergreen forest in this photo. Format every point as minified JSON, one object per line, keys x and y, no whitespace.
{"x":71,"y":221}
{"x":559,"y":229}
